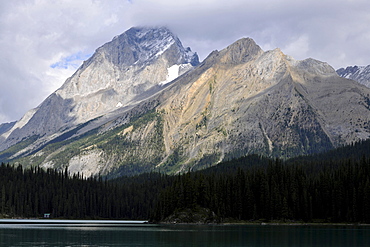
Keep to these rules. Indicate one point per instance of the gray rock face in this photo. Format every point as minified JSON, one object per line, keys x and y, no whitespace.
{"x":360,"y":74}
{"x":126,"y":70}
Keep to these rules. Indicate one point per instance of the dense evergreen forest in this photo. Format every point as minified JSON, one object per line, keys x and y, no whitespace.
{"x":33,"y":192}
{"x":331,"y":187}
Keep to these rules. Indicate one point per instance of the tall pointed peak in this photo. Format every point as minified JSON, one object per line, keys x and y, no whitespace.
{"x":140,"y":45}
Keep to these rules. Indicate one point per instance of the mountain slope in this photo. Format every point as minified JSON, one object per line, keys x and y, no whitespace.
{"x":360,"y":74}
{"x":240,"y":100}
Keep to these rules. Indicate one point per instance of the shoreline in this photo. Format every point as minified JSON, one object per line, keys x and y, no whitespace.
{"x":112,"y":222}
{"x":72,"y":222}
{"x":299,"y":224}
{"x":266,"y":224}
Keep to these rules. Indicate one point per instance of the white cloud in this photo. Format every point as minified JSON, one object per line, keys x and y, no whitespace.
{"x":113,"y":19}
{"x":42,"y":42}
{"x":299,"y":47}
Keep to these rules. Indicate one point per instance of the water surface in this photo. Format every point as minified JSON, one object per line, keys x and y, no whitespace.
{"x":183,"y":235}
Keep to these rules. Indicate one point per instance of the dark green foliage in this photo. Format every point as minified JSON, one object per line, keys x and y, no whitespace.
{"x":251,"y":190}
{"x":33,"y":192}
{"x":331,"y":187}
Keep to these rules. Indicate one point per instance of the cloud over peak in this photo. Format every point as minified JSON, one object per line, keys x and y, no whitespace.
{"x":43,"y":41}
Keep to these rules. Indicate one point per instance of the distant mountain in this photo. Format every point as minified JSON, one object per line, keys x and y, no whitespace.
{"x":360,"y":74}
{"x":6,"y":127}
{"x":121,"y":113}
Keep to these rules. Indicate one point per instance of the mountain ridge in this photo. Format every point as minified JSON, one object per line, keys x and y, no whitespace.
{"x":238,"y":101}
{"x":323,"y":68}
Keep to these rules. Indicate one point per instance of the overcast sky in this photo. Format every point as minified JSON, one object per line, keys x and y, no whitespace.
{"x":43,"y":42}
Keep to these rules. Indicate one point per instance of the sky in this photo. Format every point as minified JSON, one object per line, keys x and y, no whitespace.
{"x":43,"y":42}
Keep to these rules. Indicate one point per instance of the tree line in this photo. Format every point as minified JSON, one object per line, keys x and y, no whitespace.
{"x":321,"y":188}
{"x":312,"y":192}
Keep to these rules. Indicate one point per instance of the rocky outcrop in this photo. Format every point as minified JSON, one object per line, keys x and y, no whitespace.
{"x":196,"y":215}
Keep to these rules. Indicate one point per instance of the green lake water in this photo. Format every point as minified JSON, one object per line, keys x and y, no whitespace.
{"x":183,"y":235}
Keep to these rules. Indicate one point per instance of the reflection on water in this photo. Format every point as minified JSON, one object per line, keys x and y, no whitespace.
{"x":249,"y":235}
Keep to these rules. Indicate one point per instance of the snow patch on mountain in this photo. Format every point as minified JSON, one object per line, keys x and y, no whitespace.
{"x":175,"y":71}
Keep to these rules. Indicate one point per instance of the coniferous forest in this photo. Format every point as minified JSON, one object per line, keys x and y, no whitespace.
{"x":330,"y":187}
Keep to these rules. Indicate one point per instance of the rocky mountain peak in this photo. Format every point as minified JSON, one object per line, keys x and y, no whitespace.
{"x":141,"y":45}
{"x":117,"y":68}
{"x":241,"y":51}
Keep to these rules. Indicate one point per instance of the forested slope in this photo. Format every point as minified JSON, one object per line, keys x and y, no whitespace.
{"x":331,"y":188}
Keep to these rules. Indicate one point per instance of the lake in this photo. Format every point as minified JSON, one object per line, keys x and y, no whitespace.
{"x":95,"y":234}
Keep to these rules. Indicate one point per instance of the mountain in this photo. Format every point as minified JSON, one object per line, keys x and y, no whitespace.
{"x":360,"y":74}
{"x":121,"y":73}
{"x":249,"y":101}
{"x":120,"y":113}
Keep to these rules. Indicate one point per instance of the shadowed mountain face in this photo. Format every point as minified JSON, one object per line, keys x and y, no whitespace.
{"x":126,"y":115}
